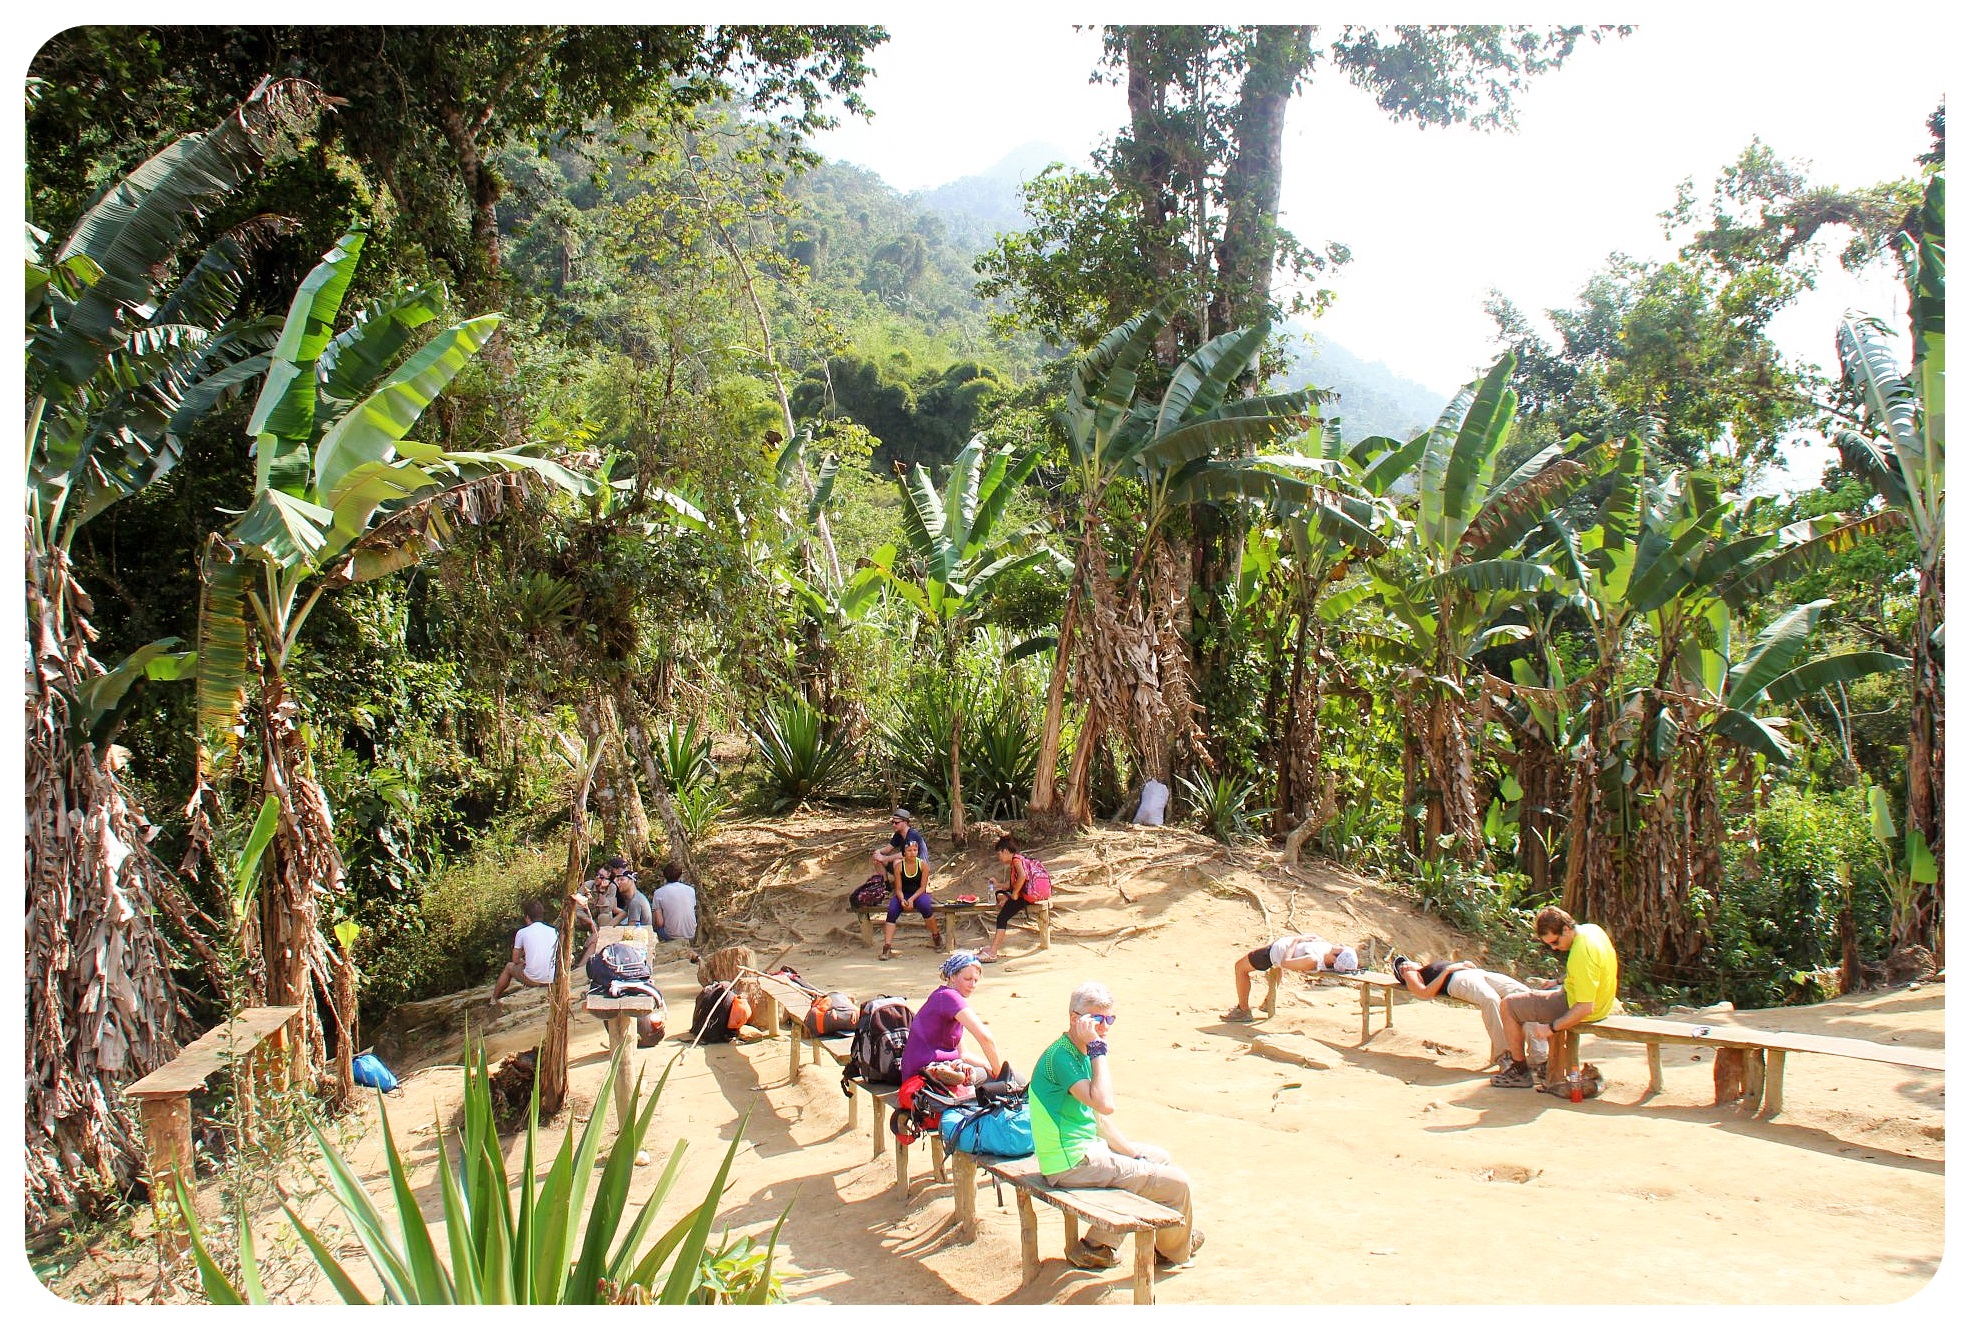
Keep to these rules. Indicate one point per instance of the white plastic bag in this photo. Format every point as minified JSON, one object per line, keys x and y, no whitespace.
{"x":1155,"y":798}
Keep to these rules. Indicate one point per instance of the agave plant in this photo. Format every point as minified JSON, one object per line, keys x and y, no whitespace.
{"x":804,"y":758}
{"x":1219,"y":802}
{"x":698,"y":808}
{"x":683,"y":756}
{"x":553,"y":1247}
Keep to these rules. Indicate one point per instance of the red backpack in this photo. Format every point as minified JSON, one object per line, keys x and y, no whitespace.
{"x":1039,"y":886}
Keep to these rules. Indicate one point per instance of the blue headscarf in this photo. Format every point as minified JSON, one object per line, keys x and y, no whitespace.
{"x":955,"y":962}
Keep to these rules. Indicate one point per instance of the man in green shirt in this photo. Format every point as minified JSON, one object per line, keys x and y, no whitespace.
{"x":1077,"y":1144}
{"x":1587,"y":994}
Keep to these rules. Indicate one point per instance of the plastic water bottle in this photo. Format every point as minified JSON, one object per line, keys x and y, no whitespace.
{"x":1573,"y":1086}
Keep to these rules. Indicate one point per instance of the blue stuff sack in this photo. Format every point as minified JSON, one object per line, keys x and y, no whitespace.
{"x":988,"y":1131}
{"x":370,"y":1071}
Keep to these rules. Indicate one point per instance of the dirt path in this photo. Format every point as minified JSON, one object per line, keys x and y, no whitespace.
{"x":1386,"y":1174}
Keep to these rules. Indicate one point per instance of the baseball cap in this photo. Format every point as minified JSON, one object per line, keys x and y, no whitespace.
{"x":900,"y":815}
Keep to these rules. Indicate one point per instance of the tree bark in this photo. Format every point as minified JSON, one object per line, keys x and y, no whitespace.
{"x":553,"y":1062}
{"x":1046,"y":784}
{"x":1924,"y":925}
{"x":660,"y":794}
{"x":958,"y":833}
{"x":1275,"y":59}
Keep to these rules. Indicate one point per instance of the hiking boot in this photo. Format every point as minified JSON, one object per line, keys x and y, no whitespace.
{"x":1196,"y":1245}
{"x":1085,"y":1255}
{"x":1516,"y":1076}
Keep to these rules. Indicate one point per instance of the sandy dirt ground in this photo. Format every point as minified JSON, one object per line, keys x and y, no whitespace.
{"x":1324,"y":1171}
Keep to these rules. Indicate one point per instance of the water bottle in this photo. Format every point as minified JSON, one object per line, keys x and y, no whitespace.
{"x":1573,"y":1086}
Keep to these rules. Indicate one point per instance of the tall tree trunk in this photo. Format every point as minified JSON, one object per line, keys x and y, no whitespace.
{"x":101,"y":1008}
{"x":1046,"y":784}
{"x":303,"y":869}
{"x":958,"y":833}
{"x":631,"y":713}
{"x":1275,"y":59}
{"x":1924,"y":924}
{"x":553,"y":1063}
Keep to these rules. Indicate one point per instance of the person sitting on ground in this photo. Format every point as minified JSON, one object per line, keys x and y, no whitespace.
{"x":532,"y":965}
{"x":598,"y":907}
{"x":937,"y":1031}
{"x":676,"y":905}
{"x":909,"y":889}
{"x":1011,"y":897}
{"x":1077,"y":1144}
{"x":1467,"y":981}
{"x":900,"y":834}
{"x":1296,"y":951}
{"x":1586,"y":995}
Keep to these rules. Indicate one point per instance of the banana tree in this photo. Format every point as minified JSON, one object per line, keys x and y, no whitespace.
{"x":1446,"y":582}
{"x":1895,"y":441}
{"x":341,"y":494}
{"x":129,"y":343}
{"x":1120,"y":633}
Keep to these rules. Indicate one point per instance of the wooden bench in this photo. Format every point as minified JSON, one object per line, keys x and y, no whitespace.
{"x":1369,"y":981}
{"x":620,"y":1013}
{"x":1764,"y":1051}
{"x":165,"y":1096}
{"x":1108,"y":1207}
{"x":947,"y":911}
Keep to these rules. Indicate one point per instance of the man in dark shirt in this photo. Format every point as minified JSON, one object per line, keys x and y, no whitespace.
{"x":900,"y":831}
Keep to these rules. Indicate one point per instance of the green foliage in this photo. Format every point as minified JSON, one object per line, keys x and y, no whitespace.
{"x":998,"y":743}
{"x":683,"y":756}
{"x":804,"y":757}
{"x":554,"y":1247}
{"x":1221,"y":803}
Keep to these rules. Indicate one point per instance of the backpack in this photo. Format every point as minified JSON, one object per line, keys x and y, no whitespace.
{"x":921,"y":1104}
{"x":832,"y":1013}
{"x":1039,"y":886}
{"x":616,"y":963}
{"x":711,"y":1016}
{"x":370,"y":1071}
{"x":871,"y":893}
{"x":882,"y":1028}
{"x":989,"y":1129}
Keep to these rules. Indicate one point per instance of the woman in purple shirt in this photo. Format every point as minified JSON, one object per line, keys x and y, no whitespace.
{"x":937,"y":1031}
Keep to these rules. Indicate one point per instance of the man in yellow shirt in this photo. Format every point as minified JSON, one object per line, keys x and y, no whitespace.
{"x":1587,"y":994}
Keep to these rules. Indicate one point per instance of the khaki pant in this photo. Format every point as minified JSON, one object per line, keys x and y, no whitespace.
{"x":1485,"y":989}
{"x":1153,"y":1176}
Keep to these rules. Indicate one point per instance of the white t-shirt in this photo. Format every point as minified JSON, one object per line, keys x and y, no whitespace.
{"x":1293,"y":948}
{"x":536,"y":945}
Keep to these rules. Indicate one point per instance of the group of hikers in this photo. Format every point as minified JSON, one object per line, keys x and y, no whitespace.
{"x":608,"y":899}
{"x":905,"y":862}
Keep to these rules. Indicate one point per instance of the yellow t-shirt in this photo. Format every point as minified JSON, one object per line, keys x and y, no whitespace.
{"x":1592,"y":969}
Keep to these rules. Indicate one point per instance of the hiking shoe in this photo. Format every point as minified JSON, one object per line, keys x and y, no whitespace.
{"x":1085,"y":1255}
{"x":888,"y":954}
{"x":1196,"y":1245}
{"x":1502,"y":1061}
{"x":1239,"y":1014}
{"x":1538,"y":1071}
{"x":1516,"y":1076}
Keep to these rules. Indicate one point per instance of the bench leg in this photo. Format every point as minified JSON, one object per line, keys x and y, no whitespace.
{"x":1073,"y":1229}
{"x":1145,"y":1267}
{"x":1029,"y":1239}
{"x":1774,"y":1083}
{"x":964,"y":1193}
{"x":1562,"y":1053}
{"x":1272,"y":991}
{"x":1388,"y":1008}
{"x":875,"y":1132}
{"x":937,"y":1157}
{"x":868,"y":930}
{"x":168,"y":1145}
{"x":1046,"y":927}
{"x":1655,"y":1068}
{"x":769,"y":1016}
{"x":902,"y":1170}
{"x":621,"y":1025}
{"x":1754,"y":1076}
{"x":1365,"y":1010}
{"x":793,"y":1055}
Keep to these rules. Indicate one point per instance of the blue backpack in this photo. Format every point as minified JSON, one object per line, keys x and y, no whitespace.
{"x":370,"y":1071}
{"x":997,"y":1129}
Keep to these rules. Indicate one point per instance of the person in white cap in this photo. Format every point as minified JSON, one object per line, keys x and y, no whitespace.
{"x":1295,"y":951}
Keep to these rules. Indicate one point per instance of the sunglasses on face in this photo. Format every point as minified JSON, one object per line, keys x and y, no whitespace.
{"x":1103,"y":1021}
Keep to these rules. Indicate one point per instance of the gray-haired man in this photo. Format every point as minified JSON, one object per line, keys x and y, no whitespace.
{"x":1078,"y":1145}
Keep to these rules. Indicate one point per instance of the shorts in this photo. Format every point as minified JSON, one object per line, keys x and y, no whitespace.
{"x":1260,"y":958}
{"x":1544,"y":1006}
{"x":921,"y":904}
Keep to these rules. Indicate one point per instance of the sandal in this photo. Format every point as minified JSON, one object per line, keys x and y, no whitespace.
{"x":990,"y":960}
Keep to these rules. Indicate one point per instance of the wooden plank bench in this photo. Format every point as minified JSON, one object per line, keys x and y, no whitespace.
{"x":882,"y":1099}
{"x":1109,"y":1207}
{"x":1041,"y":913}
{"x":620,"y":1013}
{"x":165,"y":1096}
{"x":1764,"y":1051}
{"x":1370,"y":983}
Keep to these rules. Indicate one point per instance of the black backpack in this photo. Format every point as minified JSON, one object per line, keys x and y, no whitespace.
{"x":711,"y":1016}
{"x":617,"y":962}
{"x":875,"y":1057}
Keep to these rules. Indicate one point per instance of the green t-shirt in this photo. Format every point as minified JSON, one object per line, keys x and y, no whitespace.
{"x":1063,"y":1126}
{"x":1592,"y":969}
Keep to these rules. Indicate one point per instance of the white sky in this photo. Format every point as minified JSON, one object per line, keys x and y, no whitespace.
{"x":1437,"y":217}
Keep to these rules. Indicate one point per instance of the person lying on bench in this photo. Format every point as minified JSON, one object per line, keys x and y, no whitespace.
{"x":936,"y":1046}
{"x":1592,"y":970}
{"x":1467,"y":981}
{"x":1295,"y":951}
{"x":1076,"y":1142}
